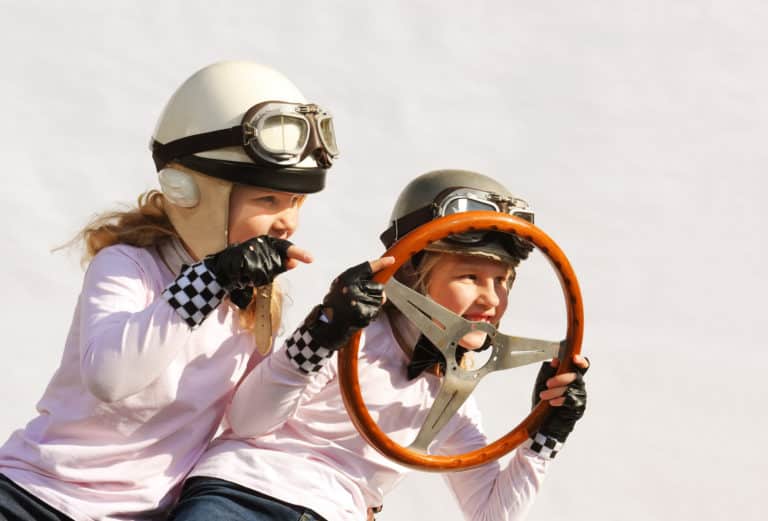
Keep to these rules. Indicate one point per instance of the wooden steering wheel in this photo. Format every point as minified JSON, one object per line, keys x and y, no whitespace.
{"x":445,"y":329}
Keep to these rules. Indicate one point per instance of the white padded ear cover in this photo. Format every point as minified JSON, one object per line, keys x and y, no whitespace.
{"x":179,"y":187}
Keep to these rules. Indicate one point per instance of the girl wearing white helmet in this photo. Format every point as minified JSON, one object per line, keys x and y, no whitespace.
{"x":306,"y":461}
{"x":177,"y":303}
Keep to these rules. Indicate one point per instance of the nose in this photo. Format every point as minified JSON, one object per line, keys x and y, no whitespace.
{"x":285,"y":222}
{"x":487,"y":294}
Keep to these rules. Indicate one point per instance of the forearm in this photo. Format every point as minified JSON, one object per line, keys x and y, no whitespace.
{"x":301,"y":366}
{"x":491,"y":494}
{"x":272,"y":392}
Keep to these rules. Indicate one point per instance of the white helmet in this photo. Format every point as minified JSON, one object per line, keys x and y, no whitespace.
{"x":235,"y":122}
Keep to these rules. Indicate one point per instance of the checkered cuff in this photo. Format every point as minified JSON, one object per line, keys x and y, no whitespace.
{"x":304,"y":352}
{"x":194,"y":293}
{"x":546,"y":446}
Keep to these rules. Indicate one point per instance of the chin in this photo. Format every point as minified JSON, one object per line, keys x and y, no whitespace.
{"x":473,"y":340}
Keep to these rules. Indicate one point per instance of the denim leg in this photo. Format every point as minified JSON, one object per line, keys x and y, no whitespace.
{"x":16,"y":504}
{"x":210,"y":499}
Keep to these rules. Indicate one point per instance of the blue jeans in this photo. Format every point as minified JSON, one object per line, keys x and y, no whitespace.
{"x":211,"y":499}
{"x":16,"y":504}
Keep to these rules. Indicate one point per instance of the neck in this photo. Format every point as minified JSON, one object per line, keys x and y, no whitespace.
{"x":174,"y":254}
{"x":406,"y":335}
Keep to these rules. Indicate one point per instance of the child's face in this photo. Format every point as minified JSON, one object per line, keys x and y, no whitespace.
{"x":474,"y":287}
{"x":257,"y":211}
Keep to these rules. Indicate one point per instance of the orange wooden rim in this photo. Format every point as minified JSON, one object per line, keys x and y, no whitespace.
{"x":411,"y":244}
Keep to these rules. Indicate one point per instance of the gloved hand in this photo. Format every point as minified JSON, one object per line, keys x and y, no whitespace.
{"x":252,"y":263}
{"x":573,"y":395}
{"x":352,"y":302}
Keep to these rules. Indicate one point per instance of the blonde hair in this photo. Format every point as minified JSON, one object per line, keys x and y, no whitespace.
{"x":144,"y":226}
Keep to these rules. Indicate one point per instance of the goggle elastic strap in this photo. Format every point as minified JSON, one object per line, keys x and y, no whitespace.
{"x":407,"y":224}
{"x":186,"y":146}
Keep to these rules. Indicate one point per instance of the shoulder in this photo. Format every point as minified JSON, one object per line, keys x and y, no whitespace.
{"x":120,"y":254}
{"x":123,"y":260}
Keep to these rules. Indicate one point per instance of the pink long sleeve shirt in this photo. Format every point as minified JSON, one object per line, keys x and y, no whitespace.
{"x":137,"y":397}
{"x":291,"y":438}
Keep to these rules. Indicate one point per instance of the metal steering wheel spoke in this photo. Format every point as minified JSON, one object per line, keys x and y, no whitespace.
{"x":440,"y":325}
{"x":516,"y":351}
{"x":454,"y":391}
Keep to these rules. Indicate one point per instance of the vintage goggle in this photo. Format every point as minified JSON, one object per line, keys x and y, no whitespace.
{"x":457,"y":201}
{"x":275,"y":132}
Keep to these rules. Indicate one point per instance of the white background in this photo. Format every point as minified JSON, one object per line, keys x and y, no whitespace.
{"x":637,"y":129}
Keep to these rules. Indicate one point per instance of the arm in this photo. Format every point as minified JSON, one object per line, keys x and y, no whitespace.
{"x":273,"y":391}
{"x":300,"y":368}
{"x":126,"y":340}
{"x":490,"y":493}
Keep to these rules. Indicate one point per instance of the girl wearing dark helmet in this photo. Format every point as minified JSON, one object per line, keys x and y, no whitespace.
{"x":177,"y":302}
{"x":306,"y":461}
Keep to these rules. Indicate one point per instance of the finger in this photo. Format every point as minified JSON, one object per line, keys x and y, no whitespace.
{"x":291,"y":263}
{"x":298,"y":254}
{"x":561,"y":380}
{"x":557,"y":402}
{"x":381,"y":263}
{"x":553,"y":393}
{"x":581,"y":363}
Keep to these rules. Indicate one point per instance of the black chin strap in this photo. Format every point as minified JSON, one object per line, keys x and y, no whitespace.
{"x":426,"y":355}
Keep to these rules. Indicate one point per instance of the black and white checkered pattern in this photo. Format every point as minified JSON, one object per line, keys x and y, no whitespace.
{"x":194,"y":293}
{"x":545,"y":445}
{"x":306,"y":355}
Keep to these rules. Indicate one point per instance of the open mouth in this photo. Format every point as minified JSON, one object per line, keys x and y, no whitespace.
{"x":478,"y":318}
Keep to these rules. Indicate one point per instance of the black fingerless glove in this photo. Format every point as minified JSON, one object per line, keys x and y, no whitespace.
{"x":546,"y":371}
{"x":235,"y":270}
{"x":562,"y":419}
{"x":252,"y":263}
{"x":352,"y":302}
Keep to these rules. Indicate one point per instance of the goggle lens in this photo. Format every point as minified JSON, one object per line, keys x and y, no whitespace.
{"x":328,"y":135}
{"x":470,"y":204}
{"x":283,"y":134}
{"x":465,"y":204}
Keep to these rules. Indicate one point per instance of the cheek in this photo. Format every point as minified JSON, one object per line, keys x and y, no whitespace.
{"x":453,"y":297}
{"x":503,"y":302}
{"x":243,"y":228}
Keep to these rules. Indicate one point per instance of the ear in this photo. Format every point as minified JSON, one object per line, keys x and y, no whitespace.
{"x":179,"y":187}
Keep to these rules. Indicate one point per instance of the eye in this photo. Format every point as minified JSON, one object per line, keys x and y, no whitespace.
{"x":467,"y":276}
{"x":266,"y":200}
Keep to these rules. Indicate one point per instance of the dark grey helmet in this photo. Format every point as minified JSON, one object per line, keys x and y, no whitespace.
{"x":426,"y":188}
{"x":444,"y":192}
